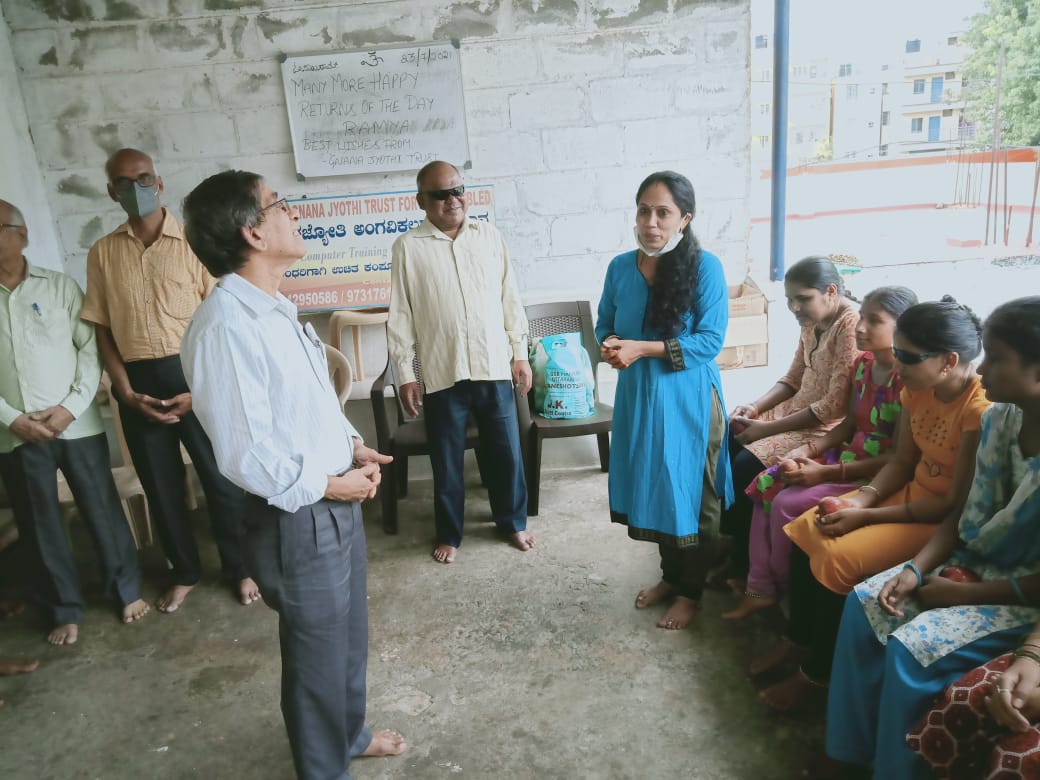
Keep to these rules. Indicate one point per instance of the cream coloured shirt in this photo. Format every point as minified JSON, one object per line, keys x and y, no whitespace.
{"x":145,"y":295}
{"x":454,"y":302}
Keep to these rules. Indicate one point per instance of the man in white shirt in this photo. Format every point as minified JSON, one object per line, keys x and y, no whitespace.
{"x":452,"y":283}
{"x":49,"y":421}
{"x":260,"y":386}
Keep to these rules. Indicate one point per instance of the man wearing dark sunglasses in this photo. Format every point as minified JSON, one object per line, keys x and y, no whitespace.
{"x":143,"y":286}
{"x":454,"y":304}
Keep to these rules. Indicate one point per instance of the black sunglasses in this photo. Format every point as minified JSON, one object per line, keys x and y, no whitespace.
{"x":912,"y":358}
{"x":454,"y":192}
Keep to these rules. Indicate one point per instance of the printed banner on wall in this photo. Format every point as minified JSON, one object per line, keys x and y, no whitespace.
{"x":349,"y":237}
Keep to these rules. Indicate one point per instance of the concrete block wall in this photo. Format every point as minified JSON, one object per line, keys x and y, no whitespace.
{"x":570,"y":103}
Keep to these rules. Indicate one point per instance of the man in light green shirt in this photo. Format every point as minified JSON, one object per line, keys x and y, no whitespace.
{"x":49,"y":374}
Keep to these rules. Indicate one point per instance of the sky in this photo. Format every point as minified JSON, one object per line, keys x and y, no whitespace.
{"x":856,"y":30}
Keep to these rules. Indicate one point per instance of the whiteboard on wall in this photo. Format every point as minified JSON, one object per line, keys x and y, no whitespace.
{"x":371,"y":111}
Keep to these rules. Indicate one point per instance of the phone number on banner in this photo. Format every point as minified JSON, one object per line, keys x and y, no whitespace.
{"x":348,"y":297}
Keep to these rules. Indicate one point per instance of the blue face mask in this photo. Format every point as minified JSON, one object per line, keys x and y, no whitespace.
{"x":138,"y":201}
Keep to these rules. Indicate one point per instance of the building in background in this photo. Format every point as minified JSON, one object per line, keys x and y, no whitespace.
{"x":930,"y":102}
{"x":880,"y":85}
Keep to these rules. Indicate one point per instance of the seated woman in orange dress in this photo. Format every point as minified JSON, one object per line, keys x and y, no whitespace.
{"x":888,"y":520}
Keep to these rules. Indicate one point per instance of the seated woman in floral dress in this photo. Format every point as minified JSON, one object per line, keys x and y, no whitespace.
{"x":853,"y":452}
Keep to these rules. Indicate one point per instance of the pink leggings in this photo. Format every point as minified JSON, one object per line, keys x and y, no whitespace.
{"x":769,"y":547}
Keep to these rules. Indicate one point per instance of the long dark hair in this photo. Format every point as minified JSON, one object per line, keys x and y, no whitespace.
{"x":943,"y":326}
{"x":677,"y":271}
{"x":1017,"y":324}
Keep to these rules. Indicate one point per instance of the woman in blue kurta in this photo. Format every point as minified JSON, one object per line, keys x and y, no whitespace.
{"x":662,"y":320}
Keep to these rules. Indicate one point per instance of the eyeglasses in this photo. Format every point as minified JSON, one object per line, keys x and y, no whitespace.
{"x":123,"y":183}
{"x":281,"y":203}
{"x":454,"y":192}
{"x":912,"y":358}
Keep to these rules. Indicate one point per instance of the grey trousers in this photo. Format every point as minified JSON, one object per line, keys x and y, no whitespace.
{"x":311,"y":569}
{"x":29,"y":475}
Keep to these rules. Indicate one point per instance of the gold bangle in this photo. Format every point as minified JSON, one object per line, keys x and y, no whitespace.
{"x":872,"y":489}
{"x":844,"y":478}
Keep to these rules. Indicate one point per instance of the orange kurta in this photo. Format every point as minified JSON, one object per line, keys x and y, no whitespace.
{"x":840,"y":563}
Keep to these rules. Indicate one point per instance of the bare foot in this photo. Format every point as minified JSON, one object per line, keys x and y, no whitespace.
{"x":9,"y":608}
{"x":522,"y":540}
{"x":444,"y":553}
{"x":10,"y":665}
{"x":736,"y":585}
{"x":172,"y":599}
{"x":385,"y":742}
{"x":64,"y":635}
{"x":647,"y":597}
{"x":751,"y":603}
{"x":135,"y":610}
{"x":784,"y":653}
{"x":248,"y":591}
{"x":680,"y":614}
{"x":792,"y":694}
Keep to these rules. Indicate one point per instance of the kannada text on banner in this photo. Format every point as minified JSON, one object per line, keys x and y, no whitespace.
{"x":348,"y":239}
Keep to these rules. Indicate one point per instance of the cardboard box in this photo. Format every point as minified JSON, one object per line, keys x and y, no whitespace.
{"x":747,"y":338}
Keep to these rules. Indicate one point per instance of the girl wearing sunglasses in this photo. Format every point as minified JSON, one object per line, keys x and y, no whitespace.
{"x":907,"y":633}
{"x":888,"y":520}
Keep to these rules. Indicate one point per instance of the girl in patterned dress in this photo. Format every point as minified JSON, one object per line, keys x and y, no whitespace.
{"x":853,"y":452}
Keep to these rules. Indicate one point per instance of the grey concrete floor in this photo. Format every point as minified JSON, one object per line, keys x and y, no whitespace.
{"x":502,"y":665}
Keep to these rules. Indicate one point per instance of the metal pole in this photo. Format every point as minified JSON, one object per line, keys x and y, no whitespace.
{"x":778,"y":199}
{"x":996,"y":145}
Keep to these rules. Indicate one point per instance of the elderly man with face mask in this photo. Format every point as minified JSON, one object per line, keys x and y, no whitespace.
{"x":143,"y":286}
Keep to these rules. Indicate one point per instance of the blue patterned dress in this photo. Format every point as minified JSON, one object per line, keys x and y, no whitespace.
{"x":880,"y":687}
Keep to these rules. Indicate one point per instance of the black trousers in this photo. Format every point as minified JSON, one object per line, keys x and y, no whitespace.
{"x":446,"y":413}
{"x":29,"y":474}
{"x":155,"y":450}
{"x":736,"y":521}
{"x":686,"y":568}
{"x":815,"y":617}
{"x":311,"y":567}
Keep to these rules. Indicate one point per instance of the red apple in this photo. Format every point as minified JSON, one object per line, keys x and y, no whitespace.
{"x":788,"y":465}
{"x":960,"y":574}
{"x":830,"y":505}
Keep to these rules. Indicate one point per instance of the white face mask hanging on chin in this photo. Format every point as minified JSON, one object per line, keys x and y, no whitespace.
{"x":673,"y":242}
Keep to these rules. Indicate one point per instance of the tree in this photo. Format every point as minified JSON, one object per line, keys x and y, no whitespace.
{"x":1017,"y":24}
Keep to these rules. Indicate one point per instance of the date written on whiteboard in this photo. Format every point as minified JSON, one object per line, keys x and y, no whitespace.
{"x":424,"y":56}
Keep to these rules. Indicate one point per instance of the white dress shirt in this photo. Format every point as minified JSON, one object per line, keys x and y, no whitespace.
{"x":261,"y":389}
{"x":458,"y":300}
